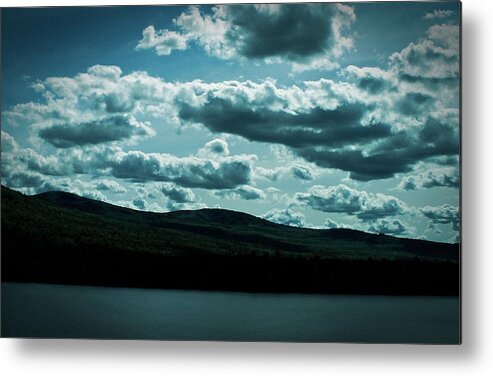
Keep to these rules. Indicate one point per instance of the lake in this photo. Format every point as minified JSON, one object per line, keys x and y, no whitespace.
{"x":61,"y":311}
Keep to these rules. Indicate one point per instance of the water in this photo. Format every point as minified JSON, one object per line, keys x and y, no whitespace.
{"x":58,"y":311}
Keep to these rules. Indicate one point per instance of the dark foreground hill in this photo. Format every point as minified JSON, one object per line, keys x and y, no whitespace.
{"x":58,"y":237}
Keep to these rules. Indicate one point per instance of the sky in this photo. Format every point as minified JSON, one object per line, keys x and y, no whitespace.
{"x":335,"y":115}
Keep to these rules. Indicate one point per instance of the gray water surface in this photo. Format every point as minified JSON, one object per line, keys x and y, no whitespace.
{"x":59,"y":311}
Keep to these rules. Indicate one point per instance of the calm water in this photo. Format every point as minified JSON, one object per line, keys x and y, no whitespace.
{"x":54,"y":311}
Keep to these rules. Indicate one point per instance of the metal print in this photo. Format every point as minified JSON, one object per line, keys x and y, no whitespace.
{"x":255,"y":172}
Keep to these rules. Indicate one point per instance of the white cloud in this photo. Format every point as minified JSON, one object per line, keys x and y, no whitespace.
{"x":438,"y":13}
{"x":435,"y":177}
{"x":443,"y":214}
{"x":316,"y":33}
{"x":389,"y":227}
{"x":245,"y":192}
{"x":162,"y":41}
{"x":343,"y":199}
{"x":285,"y":217}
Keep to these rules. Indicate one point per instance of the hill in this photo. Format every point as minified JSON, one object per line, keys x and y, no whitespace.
{"x":60,"y":237}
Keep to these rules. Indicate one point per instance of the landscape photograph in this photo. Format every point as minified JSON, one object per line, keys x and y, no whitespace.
{"x":233,"y":172}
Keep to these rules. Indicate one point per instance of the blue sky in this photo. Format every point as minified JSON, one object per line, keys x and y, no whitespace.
{"x":320,"y":115}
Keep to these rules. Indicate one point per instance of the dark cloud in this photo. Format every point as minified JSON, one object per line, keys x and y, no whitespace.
{"x":293,"y":31}
{"x":330,"y":128}
{"x":413,"y":104}
{"x":343,"y":199}
{"x":394,"y":154}
{"x":285,"y":217}
{"x":301,"y":33}
{"x":114,"y":128}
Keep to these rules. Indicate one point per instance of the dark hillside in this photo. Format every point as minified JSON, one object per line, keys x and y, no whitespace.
{"x":59,"y":237}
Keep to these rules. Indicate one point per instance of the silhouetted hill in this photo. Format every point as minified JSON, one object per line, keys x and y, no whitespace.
{"x":63,"y":238}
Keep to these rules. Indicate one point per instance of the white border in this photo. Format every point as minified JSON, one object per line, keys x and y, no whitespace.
{"x":474,"y":357}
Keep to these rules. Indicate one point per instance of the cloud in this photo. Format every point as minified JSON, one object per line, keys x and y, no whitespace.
{"x":25,"y":167}
{"x":318,"y":126}
{"x":214,"y":148}
{"x":8,"y":142}
{"x":436,"y":177}
{"x":178,"y":194}
{"x":140,"y":204}
{"x":179,"y":198}
{"x":431,"y":59}
{"x":108,"y":185}
{"x":302,"y":172}
{"x":245,"y":192}
{"x":191,"y":172}
{"x":163,"y":41}
{"x":285,"y":217}
{"x":395,"y":154}
{"x":343,"y":199}
{"x":389,"y":226}
{"x":308,"y":35}
{"x":114,"y":128}
{"x":372,"y":80}
{"x":329,"y":223}
{"x":374,"y":125}
{"x":32,"y":183}
{"x":296,"y":170}
{"x":443,"y":214}
{"x":438,"y":13}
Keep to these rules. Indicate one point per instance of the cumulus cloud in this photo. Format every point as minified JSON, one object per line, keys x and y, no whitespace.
{"x":8,"y":142}
{"x":296,"y":170}
{"x":285,"y":217}
{"x":343,"y":199}
{"x":308,"y":127}
{"x":25,"y":167}
{"x":438,"y":13}
{"x":375,"y":125}
{"x":308,"y":35}
{"x":214,"y":148}
{"x":192,"y":172}
{"x":443,"y":214}
{"x":114,"y":128}
{"x":140,"y":204}
{"x":389,"y":226}
{"x":245,"y":192}
{"x":431,"y":59}
{"x":177,"y":194}
{"x":329,"y":223}
{"x":395,"y":154}
{"x":109,"y":186}
{"x":162,"y":41}
{"x":302,"y":172}
{"x":435,"y":177}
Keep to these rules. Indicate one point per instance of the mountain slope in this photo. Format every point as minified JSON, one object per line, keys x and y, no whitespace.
{"x":63,"y":238}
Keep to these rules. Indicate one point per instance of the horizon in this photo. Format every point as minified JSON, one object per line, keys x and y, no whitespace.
{"x":341,"y":120}
{"x":227,"y":210}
